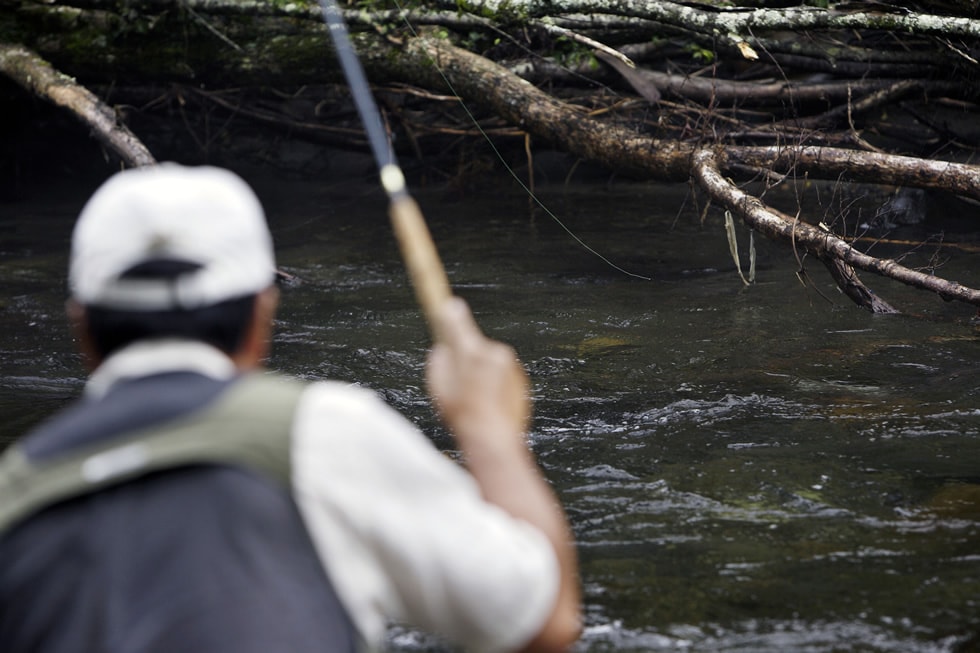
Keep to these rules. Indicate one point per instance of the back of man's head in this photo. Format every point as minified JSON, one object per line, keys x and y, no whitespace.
{"x":170,"y":251}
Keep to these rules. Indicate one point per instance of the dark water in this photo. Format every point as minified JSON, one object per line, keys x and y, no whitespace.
{"x":761,"y":468}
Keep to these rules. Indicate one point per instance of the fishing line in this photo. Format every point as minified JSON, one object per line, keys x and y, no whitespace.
{"x":508,"y":168}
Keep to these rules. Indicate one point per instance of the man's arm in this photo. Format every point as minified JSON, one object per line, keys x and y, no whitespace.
{"x":481,"y":391}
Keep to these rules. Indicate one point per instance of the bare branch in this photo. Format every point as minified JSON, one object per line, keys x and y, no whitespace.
{"x":823,"y":244}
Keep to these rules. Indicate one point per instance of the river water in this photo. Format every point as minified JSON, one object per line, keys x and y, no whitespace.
{"x":746,"y":468}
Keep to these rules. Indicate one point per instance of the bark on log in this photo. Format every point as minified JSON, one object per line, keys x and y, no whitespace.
{"x":869,"y":167}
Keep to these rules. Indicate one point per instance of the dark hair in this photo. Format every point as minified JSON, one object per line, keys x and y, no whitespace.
{"x":222,"y":325}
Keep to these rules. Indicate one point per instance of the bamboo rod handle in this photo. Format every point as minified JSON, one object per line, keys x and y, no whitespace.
{"x":421,"y":258}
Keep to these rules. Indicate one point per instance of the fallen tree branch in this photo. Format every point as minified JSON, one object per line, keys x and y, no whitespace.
{"x":477,"y":80}
{"x":870,"y":167}
{"x":707,"y":89}
{"x":735,"y":22}
{"x":822,"y":244}
{"x":851,"y":285}
{"x":846,"y":112}
{"x":434,"y":62}
{"x":40,"y":78}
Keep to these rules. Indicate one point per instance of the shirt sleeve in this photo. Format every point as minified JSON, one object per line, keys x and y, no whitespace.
{"x":404,"y":533}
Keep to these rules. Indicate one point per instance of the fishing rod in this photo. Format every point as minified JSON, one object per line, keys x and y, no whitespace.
{"x":414,"y":240}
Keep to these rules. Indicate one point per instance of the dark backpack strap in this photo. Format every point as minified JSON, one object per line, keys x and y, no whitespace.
{"x":248,"y":425}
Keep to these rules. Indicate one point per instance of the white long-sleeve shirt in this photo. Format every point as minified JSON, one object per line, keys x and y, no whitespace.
{"x":401,"y":530}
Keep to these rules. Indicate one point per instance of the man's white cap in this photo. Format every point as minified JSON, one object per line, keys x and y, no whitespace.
{"x":202,"y":215}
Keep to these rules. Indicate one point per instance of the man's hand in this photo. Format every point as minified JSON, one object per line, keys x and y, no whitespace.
{"x":479,"y":386}
{"x":481,"y":391}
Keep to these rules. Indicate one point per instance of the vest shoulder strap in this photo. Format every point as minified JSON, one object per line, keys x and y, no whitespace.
{"x":248,"y":426}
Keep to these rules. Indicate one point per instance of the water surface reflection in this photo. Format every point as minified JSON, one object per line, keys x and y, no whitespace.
{"x":747,"y":469}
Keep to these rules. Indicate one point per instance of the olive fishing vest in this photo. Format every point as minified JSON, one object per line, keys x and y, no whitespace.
{"x":160,"y":519}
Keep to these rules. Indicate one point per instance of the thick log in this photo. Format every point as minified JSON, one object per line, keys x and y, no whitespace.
{"x":443,"y":67}
{"x":853,"y":165}
{"x":733,"y":22}
{"x":39,"y":77}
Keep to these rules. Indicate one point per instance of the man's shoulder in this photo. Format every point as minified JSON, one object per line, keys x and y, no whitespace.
{"x":270,"y":384}
{"x":131,"y":405}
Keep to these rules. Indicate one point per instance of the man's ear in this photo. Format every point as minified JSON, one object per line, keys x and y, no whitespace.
{"x":254,"y":348}
{"x":78,"y":320}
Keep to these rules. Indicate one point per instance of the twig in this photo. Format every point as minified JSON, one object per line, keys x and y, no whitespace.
{"x":551,"y":28}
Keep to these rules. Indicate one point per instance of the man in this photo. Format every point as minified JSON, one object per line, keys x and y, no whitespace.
{"x":191,"y":502}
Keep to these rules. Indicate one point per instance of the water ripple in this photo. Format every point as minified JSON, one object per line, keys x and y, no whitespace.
{"x":711,"y":411}
{"x":794,"y":635}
